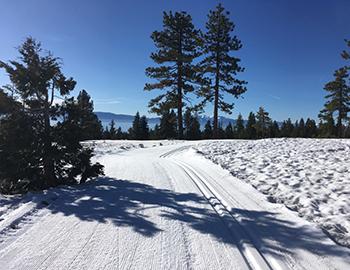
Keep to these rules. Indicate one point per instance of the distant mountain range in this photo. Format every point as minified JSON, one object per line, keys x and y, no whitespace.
{"x":125,"y":120}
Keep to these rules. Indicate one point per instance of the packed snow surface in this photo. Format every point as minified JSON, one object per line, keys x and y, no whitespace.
{"x":160,"y":205}
{"x":310,"y":176}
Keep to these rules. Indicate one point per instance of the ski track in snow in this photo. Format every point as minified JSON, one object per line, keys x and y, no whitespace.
{"x":159,"y":208}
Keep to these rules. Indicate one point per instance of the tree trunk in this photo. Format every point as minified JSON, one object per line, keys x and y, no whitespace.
{"x":339,"y":124}
{"x":49,"y":172}
{"x":216,"y":99}
{"x":179,"y":89}
{"x":216,"y":109}
{"x":179,"y":114}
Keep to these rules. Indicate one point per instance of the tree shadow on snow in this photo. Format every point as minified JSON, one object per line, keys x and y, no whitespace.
{"x":137,"y":205}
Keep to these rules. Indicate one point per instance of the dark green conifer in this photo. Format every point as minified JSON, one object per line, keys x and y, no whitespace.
{"x":287,"y":128}
{"x":219,"y":64}
{"x":239,"y":127}
{"x":167,"y":126}
{"x":229,"y":132}
{"x":192,"y":126}
{"x":177,"y":45}
{"x":263,"y":123}
{"x":208,"y":131}
{"x":55,"y":155}
{"x":250,"y":129}
{"x":338,"y":100}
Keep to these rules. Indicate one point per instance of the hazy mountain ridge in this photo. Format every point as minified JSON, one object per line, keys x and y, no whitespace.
{"x":125,"y":120}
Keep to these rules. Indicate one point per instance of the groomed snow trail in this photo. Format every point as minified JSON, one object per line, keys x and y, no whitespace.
{"x":162,"y":208}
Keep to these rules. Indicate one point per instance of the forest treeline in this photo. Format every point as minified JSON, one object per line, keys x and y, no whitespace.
{"x":258,"y":125}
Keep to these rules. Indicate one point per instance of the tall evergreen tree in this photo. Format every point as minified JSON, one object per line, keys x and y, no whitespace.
{"x":221,"y":132}
{"x":327,"y":127}
{"x":229,"y":132}
{"x":81,"y":112}
{"x":301,"y":128}
{"x":144,"y":128}
{"x":37,"y":79}
{"x":135,"y":130}
{"x":7,"y":103}
{"x":219,"y":64}
{"x":112,"y":132}
{"x":178,"y":45}
{"x":154,"y":133}
{"x":167,"y":126}
{"x":310,"y":128}
{"x":287,"y":128}
{"x":274,"y":130}
{"x":250,"y":129}
{"x":208,"y":131}
{"x":192,"y":126}
{"x":338,"y":99}
{"x":20,"y":152}
{"x":90,"y":125}
{"x":263,"y":123}
{"x":239,"y":127}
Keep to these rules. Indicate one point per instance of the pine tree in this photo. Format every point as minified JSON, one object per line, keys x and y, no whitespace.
{"x":178,"y":45}
{"x":154,"y":133}
{"x":91,"y":127}
{"x":327,"y":127}
{"x":301,"y":128}
{"x":208,"y":131}
{"x":20,"y":153}
{"x":229,"y":132}
{"x":295,"y":133}
{"x":55,"y":156}
{"x":112,"y":132}
{"x":239,"y":127}
{"x":250,"y":130}
{"x":37,"y":78}
{"x":81,"y":112}
{"x":338,"y":99}
{"x":345,"y":54}
{"x":144,"y":129}
{"x":192,"y":126}
{"x":310,"y":128}
{"x":274,"y":130}
{"x":219,"y":64}
{"x":263,"y":123}
{"x":135,"y":130}
{"x":167,"y":126}
{"x":221,"y":132}
{"x":7,"y":103}
{"x":120,"y":135}
{"x":287,"y":128}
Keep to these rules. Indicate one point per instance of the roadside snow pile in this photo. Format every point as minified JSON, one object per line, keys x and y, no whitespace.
{"x":103,"y":147}
{"x":310,"y":176}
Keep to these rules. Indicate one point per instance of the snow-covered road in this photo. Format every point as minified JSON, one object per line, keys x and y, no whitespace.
{"x":161,"y":208}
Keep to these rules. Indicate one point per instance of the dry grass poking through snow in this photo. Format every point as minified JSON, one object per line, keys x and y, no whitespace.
{"x":310,"y":176}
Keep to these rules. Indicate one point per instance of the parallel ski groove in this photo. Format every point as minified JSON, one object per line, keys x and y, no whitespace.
{"x":251,"y":254}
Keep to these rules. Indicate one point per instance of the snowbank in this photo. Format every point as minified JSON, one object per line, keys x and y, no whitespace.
{"x":103,"y":147}
{"x":310,"y":176}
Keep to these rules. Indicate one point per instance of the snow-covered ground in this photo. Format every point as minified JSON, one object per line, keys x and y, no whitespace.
{"x":159,"y":206}
{"x":103,"y":147}
{"x":310,"y":176}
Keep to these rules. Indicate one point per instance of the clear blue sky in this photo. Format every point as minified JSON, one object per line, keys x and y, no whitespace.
{"x":291,"y":47}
